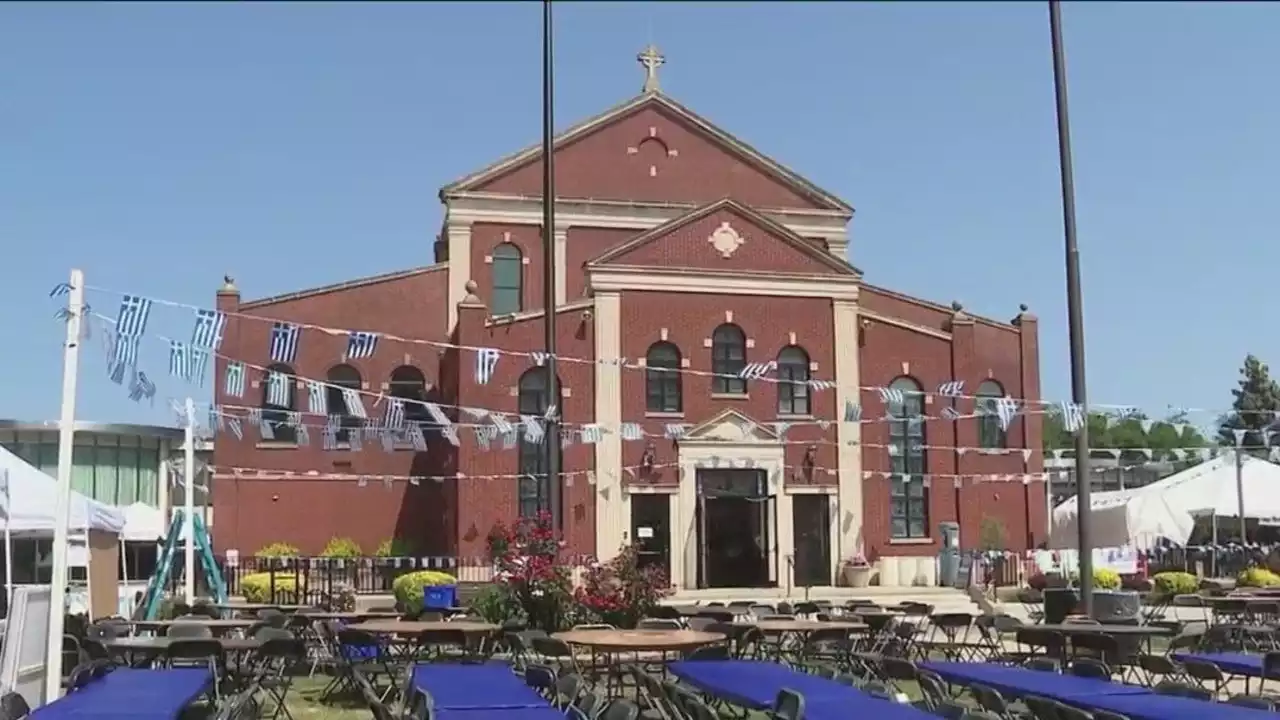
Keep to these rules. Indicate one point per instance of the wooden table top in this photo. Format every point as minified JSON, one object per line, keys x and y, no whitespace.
{"x":639,"y":639}
{"x":160,"y":644}
{"x":413,"y":627}
{"x":804,"y":626}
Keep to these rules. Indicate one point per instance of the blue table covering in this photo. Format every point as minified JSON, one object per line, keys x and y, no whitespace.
{"x":136,"y":694}
{"x":1168,"y":707}
{"x":755,"y":685}
{"x":1016,"y":681}
{"x":492,"y":686}
{"x":1232,"y":663}
{"x":542,"y":713}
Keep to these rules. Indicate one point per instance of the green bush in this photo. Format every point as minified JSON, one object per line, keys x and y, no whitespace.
{"x":394,"y":547}
{"x":495,"y":604}
{"x":1168,"y":584}
{"x":1106,"y":579}
{"x":408,"y":587}
{"x":278,"y":550}
{"x":341,"y":547}
{"x":1257,"y":577}
{"x":256,"y":588}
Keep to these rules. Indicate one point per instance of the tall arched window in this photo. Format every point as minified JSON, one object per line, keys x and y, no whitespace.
{"x":507,"y":295}
{"x":343,"y":377}
{"x":276,"y":414}
{"x":986,"y":407}
{"x":409,"y":384}
{"x":728,"y":358}
{"x":793,"y":381}
{"x":909,"y":493}
{"x":535,"y":485}
{"x":662,"y":379}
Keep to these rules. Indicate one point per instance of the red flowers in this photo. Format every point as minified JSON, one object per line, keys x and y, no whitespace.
{"x":621,"y":591}
{"x":527,"y":564}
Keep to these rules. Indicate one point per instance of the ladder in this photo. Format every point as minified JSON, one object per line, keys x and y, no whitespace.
{"x":214,"y":581}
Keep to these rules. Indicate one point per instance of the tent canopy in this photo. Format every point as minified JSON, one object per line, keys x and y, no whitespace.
{"x":142,"y":523}
{"x":29,"y":507}
{"x":1168,"y":508}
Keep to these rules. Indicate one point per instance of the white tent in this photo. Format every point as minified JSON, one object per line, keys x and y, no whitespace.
{"x":1168,"y":508}
{"x":142,"y":523}
{"x":28,"y":506}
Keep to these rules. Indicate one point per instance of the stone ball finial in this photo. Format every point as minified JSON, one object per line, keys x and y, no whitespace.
{"x":472,"y":286}
{"x":955,"y":305}
{"x":1024,"y":307}
{"x":228,"y":285}
{"x":471,"y":298}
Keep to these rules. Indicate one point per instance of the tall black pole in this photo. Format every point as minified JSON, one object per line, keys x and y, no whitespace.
{"x":552,"y":439}
{"x":1075,"y":312}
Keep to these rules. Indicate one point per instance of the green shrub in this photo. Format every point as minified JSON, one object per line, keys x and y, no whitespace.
{"x":408,"y":587}
{"x":1257,"y":577}
{"x":1106,"y":579}
{"x":394,"y":547}
{"x":256,"y":588}
{"x":278,"y":550}
{"x":1168,"y":584}
{"x":341,"y":547}
{"x":495,"y":604}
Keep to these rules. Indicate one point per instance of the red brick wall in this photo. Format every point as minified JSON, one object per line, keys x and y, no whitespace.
{"x":582,"y":244}
{"x":486,"y":236}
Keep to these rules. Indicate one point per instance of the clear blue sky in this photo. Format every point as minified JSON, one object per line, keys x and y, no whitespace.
{"x":158,"y":146}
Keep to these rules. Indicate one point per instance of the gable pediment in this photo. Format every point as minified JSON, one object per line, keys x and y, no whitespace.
{"x":731,"y":426}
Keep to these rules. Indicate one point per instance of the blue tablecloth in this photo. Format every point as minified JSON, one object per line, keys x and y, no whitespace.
{"x":755,"y":685}
{"x":133,"y":694}
{"x":489,"y":686}
{"x":1016,"y":681}
{"x":1231,"y":663}
{"x":542,"y":713}
{"x":1167,"y":707}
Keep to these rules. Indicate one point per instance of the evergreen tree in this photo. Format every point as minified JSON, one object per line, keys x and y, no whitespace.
{"x":1257,"y":402}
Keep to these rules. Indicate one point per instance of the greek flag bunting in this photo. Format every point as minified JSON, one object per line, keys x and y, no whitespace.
{"x":486,"y":363}
{"x":278,"y":389}
{"x":852,"y":412}
{"x":208,"y":330}
{"x":179,"y":360}
{"x":892,"y":396}
{"x":394,"y":414}
{"x":284,"y":343}
{"x":1072,"y":417}
{"x":539,"y":358}
{"x":950,"y":413}
{"x":755,"y":371}
{"x":361,"y":345}
{"x":235,"y":380}
{"x":317,"y":398}
{"x":355,"y":405}
{"x":954,"y":388}
{"x":1006,"y":410}
{"x":141,"y":387}
{"x":135,"y":311}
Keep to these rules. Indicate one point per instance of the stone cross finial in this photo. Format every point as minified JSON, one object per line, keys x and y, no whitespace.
{"x":650,"y":59}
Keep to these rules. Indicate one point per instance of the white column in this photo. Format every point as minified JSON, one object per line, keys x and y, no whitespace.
{"x":561,"y":238}
{"x":611,"y":525}
{"x":458,"y":236}
{"x":849,"y":456}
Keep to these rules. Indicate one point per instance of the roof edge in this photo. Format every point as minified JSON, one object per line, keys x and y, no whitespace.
{"x":340,"y":286}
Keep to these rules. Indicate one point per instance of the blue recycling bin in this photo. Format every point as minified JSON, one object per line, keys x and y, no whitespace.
{"x":439,"y":597}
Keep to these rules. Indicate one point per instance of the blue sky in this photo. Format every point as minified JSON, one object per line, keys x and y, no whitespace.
{"x":158,"y":146}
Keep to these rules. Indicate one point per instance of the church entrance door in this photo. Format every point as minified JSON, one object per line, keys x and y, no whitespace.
{"x":735,"y":522}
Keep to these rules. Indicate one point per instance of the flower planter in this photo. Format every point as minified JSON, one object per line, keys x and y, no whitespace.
{"x":857,"y":576}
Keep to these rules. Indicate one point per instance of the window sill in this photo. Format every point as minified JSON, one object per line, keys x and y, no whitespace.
{"x":730,"y":396}
{"x":667,"y":415}
{"x":275,"y":445}
{"x":911,"y":541}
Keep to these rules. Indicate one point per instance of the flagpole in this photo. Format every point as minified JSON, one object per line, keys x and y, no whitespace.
{"x":188,"y":501}
{"x":552,"y":438}
{"x":62,"y":501}
{"x":1075,"y":312}
{"x":8,"y":542}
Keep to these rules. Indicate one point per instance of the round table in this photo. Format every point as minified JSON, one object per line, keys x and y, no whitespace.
{"x":352,"y":616}
{"x":413,"y":627}
{"x":216,"y":626}
{"x":804,"y":627}
{"x":639,"y":640}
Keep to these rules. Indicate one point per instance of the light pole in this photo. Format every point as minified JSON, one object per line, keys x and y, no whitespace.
{"x":552,"y":437}
{"x":1075,"y":311}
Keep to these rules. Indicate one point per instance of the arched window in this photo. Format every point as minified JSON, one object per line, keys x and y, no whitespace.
{"x":986,"y":407}
{"x":793,"y":382}
{"x":662,"y":379}
{"x":409,"y":384}
{"x":275,"y":414}
{"x":343,"y":377}
{"x":909,"y":493}
{"x":728,"y":358}
{"x":508,"y":280}
{"x":535,"y":485}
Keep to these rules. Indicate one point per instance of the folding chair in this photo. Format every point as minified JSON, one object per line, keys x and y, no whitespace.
{"x":199,"y":653}
{"x":278,"y":656}
{"x":13,"y":707}
{"x":788,"y":705}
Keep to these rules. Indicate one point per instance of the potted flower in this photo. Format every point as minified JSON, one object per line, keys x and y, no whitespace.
{"x":857,"y":571}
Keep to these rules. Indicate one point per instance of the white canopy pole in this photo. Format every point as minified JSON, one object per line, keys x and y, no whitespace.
{"x":189,"y":493}
{"x":62,"y":506}
{"x":8,"y":541}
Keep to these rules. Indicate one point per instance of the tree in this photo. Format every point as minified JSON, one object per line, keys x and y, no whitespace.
{"x":1132,"y":432}
{"x":1256,"y":407}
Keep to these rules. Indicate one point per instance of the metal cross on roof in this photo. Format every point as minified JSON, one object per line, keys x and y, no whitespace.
{"x":650,"y":59}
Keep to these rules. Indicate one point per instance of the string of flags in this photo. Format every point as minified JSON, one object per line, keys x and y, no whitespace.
{"x":634,"y":472}
{"x":285,"y":340}
{"x":190,"y":361}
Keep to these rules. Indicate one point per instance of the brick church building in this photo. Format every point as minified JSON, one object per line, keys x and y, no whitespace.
{"x":713,"y":335}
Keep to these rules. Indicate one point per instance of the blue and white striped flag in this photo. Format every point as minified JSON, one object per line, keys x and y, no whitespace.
{"x":141,"y":387}
{"x":179,"y":360}
{"x":284,"y":343}
{"x":317,"y":398}
{"x":953,"y":388}
{"x":355,"y":404}
{"x":1072,"y":417}
{"x":1006,"y":410}
{"x":199,"y":366}
{"x":278,"y":389}
{"x":892,"y":396}
{"x":361,"y":345}
{"x":394,"y":419}
{"x":486,"y":363}
{"x":208,"y":330}
{"x":124,"y":352}
{"x":135,"y":311}
{"x":235,"y":380}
